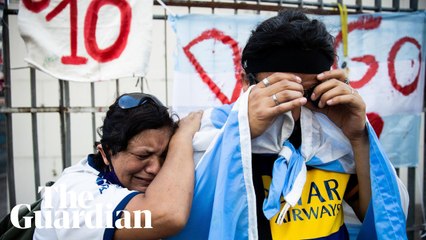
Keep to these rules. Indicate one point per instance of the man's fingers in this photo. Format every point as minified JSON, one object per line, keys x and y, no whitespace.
{"x":277,"y":77}
{"x":351,"y":100}
{"x":284,"y":85}
{"x":334,"y":92}
{"x":339,"y":74}
{"x":324,"y":87}
{"x":288,"y":106}
{"x":287,"y":96}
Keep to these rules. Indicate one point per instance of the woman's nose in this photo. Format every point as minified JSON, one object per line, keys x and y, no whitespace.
{"x":154,"y":166}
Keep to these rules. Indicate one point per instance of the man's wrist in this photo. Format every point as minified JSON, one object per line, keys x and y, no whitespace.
{"x":361,"y":138}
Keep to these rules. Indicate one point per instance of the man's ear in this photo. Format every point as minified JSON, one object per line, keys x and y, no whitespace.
{"x":244,"y":80}
{"x":101,"y":150}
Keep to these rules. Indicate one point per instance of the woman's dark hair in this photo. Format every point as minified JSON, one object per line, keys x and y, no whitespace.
{"x":289,"y":29}
{"x":121,"y":125}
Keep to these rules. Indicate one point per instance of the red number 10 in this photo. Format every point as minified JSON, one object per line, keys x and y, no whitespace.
{"x":101,"y":55}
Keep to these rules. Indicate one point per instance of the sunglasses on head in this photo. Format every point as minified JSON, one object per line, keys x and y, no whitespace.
{"x":132,"y":100}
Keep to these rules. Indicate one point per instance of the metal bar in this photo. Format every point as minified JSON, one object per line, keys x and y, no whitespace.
{"x":260,"y":7}
{"x":60,"y":109}
{"x":249,"y":6}
{"x":258,"y":4}
{"x":424,"y":156}
{"x":395,"y":4}
{"x":160,"y":17}
{"x":10,"y":11}
{"x":320,"y":4}
{"x":68,"y":124}
{"x":166,"y":59}
{"x":378,"y":5}
{"x":36,"y":156}
{"x":8,"y":103}
{"x":414,"y":5}
{"x":412,"y":205}
{"x":64,"y":118}
{"x":20,"y":68}
{"x":62,"y":121}
{"x":142,"y":79}
{"x":246,"y":6}
{"x":117,"y":88}
{"x":92,"y":103}
{"x":212,"y":7}
{"x":15,"y":12}
{"x":360,"y":6}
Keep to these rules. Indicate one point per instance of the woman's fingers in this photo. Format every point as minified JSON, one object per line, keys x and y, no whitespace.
{"x":191,"y":122}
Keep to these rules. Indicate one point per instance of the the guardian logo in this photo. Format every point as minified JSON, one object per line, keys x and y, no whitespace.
{"x":75,"y":210}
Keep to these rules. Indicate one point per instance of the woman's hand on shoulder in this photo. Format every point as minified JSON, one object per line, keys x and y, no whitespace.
{"x":190,"y":124}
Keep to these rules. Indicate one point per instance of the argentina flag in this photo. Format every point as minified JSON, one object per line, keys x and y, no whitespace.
{"x":224,"y":203}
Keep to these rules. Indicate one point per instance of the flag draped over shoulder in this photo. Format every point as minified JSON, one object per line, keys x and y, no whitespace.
{"x":224,"y":204}
{"x":224,"y":200}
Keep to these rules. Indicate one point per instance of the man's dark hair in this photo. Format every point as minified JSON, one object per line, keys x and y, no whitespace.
{"x":121,"y":125}
{"x":289,"y":30}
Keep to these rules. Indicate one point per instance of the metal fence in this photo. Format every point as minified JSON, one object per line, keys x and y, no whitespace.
{"x":64,"y":109}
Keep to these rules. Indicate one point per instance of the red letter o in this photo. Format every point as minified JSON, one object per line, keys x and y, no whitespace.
{"x":408,"y":89}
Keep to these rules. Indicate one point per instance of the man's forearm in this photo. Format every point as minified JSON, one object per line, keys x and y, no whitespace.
{"x":361,"y":150}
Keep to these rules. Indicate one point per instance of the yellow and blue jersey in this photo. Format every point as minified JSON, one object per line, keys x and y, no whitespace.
{"x":317,"y":215}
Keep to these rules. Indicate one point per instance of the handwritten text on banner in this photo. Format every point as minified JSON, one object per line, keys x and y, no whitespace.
{"x":87,"y":40}
{"x":386,"y":60}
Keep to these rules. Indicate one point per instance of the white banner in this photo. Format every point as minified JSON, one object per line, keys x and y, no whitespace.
{"x":83,"y":40}
{"x":386,"y":60}
{"x":208,"y":59}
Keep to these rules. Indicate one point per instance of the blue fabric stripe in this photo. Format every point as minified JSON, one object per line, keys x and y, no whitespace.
{"x":368,"y":228}
{"x":220,"y":115}
{"x":384,"y":215}
{"x":109,"y":232}
{"x":284,"y":174}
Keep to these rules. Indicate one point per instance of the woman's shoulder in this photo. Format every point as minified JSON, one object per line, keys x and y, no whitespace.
{"x":78,"y":177}
{"x":84,"y":166}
